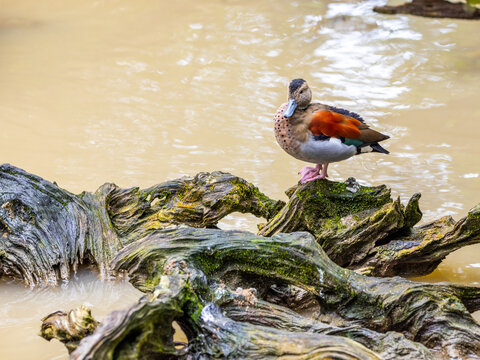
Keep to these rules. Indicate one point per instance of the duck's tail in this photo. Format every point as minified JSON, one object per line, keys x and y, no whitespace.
{"x":374,"y":147}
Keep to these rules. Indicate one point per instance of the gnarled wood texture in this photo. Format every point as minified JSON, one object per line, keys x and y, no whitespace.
{"x":363,"y":229}
{"x":233,"y":279}
{"x":237,"y":294}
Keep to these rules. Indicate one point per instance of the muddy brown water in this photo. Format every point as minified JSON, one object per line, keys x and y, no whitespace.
{"x":139,"y":92}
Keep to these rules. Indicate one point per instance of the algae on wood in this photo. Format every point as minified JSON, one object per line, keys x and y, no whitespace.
{"x":217,"y":285}
{"x":363,"y":229}
{"x":69,"y":328}
{"x":145,"y":331}
{"x":46,"y":232}
{"x":233,"y":279}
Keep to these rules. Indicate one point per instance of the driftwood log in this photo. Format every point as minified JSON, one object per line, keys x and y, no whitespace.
{"x":362,"y":228}
{"x":235,"y":294}
{"x":47,"y":232}
{"x":434,"y":9}
{"x":239,"y":295}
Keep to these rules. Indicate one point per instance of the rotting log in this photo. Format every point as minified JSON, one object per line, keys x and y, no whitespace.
{"x":46,"y":232}
{"x":433,"y":8}
{"x":231,"y":280}
{"x":362,"y":228}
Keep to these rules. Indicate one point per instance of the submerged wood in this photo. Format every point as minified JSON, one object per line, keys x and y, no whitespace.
{"x":232,"y":292}
{"x":432,"y":8}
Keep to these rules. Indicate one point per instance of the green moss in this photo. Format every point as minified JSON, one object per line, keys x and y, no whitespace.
{"x":276,"y":260}
{"x":327,"y":199}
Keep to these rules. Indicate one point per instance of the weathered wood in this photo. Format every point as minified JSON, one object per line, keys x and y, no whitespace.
{"x":145,"y":331}
{"x":240,"y":295}
{"x":438,"y":316}
{"x":389,"y":345}
{"x":432,"y":8}
{"x":363,"y":229}
{"x":424,"y":248}
{"x":69,"y":328}
{"x":46,"y":232}
{"x":199,"y":201}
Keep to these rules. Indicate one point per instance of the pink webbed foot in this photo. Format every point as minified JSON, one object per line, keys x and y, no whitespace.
{"x":308,"y":170}
{"x":310,"y":175}
{"x":305,"y":180}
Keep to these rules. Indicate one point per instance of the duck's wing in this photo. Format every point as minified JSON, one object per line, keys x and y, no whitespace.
{"x":333,"y":124}
{"x":341,"y":123}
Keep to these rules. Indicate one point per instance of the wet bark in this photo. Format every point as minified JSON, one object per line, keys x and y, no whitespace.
{"x":237,"y":294}
{"x":47,"y":232}
{"x":432,"y":8}
{"x":363,"y":229}
{"x":246,"y":296}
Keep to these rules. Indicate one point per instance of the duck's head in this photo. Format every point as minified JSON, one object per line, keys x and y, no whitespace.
{"x":299,"y":95}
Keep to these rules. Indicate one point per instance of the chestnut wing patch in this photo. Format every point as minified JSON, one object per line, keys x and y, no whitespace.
{"x":333,"y":124}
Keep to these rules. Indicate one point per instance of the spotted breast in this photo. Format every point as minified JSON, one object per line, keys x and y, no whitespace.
{"x":283,"y":132}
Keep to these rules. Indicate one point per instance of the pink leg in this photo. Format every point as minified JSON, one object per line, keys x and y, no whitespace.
{"x":324,"y":171}
{"x":310,"y":176}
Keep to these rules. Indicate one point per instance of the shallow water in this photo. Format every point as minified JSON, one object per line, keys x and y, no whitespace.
{"x":22,"y":308}
{"x":140,"y":92}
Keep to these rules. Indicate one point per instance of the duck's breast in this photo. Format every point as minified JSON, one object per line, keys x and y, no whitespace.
{"x":285,"y":132}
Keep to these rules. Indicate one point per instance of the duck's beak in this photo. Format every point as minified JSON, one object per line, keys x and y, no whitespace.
{"x":292,"y":105}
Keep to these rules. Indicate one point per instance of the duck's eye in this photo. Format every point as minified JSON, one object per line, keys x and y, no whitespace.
{"x":301,"y":92}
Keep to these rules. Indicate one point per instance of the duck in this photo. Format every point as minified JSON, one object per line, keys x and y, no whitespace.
{"x":321,"y":134}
